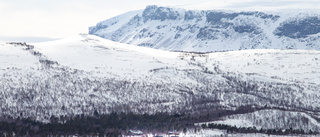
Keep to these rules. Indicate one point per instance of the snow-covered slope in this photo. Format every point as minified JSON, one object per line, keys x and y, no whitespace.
{"x":84,"y":73}
{"x":272,"y":119}
{"x":213,"y":30}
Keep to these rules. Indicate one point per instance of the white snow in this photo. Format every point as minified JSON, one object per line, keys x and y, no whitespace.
{"x":102,"y":57}
{"x":295,"y":66}
{"x":16,"y":56}
{"x":205,"y":133}
{"x":93,"y":61}
{"x":94,"y":54}
{"x":181,"y":34}
{"x":271,"y":119}
{"x":117,"y":22}
{"x":255,"y":5}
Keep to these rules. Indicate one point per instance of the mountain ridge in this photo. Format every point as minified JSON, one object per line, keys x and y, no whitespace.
{"x":213,"y":30}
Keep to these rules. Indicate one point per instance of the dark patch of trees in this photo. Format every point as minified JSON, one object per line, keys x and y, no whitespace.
{"x":113,"y":124}
{"x":48,"y":62}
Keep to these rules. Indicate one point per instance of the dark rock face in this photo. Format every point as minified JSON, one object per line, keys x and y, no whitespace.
{"x":159,"y":13}
{"x":97,"y":27}
{"x":172,"y":28}
{"x":246,"y":29}
{"x":207,"y":34}
{"x":260,"y":15}
{"x":214,"y":17}
{"x":299,"y":28}
{"x":190,"y":15}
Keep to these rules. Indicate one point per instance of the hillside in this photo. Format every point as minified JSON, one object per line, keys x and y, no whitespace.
{"x":178,"y":29}
{"x":85,"y":73}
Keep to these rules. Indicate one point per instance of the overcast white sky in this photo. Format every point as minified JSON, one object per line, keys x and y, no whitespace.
{"x":26,"y":19}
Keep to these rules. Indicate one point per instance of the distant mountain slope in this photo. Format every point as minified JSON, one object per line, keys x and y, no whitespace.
{"x":84,"y":73}
{"x":211,"y":30}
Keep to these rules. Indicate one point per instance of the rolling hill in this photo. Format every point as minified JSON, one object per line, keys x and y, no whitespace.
{"x":85,"y":73}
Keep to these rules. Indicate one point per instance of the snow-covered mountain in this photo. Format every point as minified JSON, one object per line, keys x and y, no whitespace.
{"x":213,"y":30}
{"x":84,"y":73}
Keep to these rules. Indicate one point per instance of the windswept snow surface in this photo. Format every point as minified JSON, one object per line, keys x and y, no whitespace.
{"x":272,"y":119}
{"x":94,"y":54}
{"x":84,"y":73}
{"x":293,"y":66}
{"x":16,"y":57}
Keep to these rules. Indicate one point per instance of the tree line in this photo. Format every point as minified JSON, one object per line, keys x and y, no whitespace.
{"x":116,"y":124}
{"x":113,"y":124}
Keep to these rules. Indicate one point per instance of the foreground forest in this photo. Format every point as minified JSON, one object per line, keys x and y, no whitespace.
{"x":117,"y":124}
